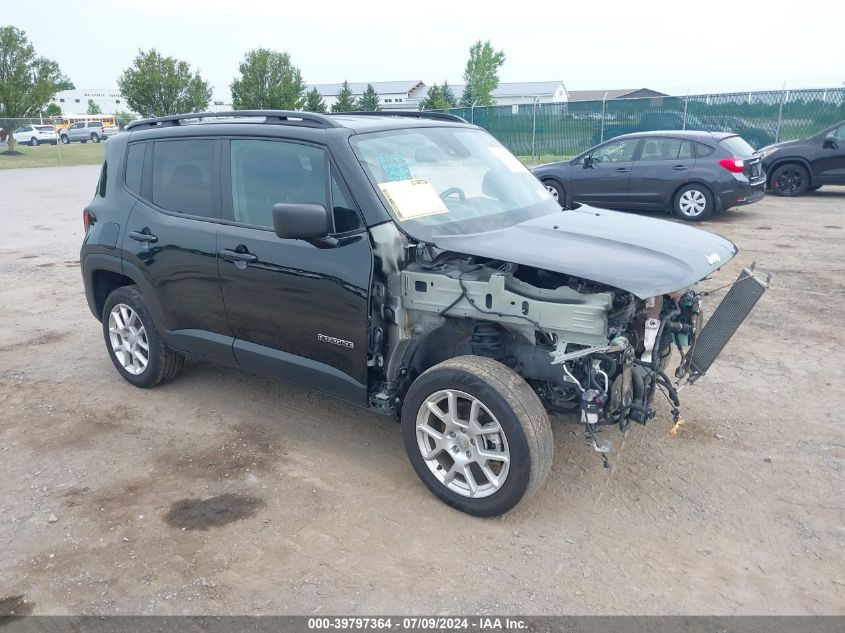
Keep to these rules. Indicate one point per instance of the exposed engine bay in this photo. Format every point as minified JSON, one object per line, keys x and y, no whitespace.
{"x":586,"y":348}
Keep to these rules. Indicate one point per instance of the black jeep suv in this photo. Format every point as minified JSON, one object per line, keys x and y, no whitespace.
{"x":407,"y":263}
{"x":795,"y":167}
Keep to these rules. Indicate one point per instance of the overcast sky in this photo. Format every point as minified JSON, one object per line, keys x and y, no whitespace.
{"x":698,"y":45}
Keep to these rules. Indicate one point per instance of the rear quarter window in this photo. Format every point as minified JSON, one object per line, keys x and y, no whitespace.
{"x":135,"y":167}
{"x":703,"y":151}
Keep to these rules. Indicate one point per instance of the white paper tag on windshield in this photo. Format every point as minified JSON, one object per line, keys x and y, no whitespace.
{"x":510,"y":161}
{"x":411,"y":199}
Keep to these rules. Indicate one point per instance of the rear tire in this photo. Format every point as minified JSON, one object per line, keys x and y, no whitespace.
{"x":789,"y":180}
{"x":133,"y":342}
{"x":694,"y":203}
{"x":488,"y":446}
{"x":95,"y":138}
{"x":557,"y":191}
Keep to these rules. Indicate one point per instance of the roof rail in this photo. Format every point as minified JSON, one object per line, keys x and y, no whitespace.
{"x":278,"y":117}
{"x":414,"y":114}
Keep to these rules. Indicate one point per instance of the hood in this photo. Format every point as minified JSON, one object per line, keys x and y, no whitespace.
{"x":643,"y":256}
{"x":781,"y":145}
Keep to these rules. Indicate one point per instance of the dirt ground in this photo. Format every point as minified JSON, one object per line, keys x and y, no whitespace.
{"x":225,"y":493}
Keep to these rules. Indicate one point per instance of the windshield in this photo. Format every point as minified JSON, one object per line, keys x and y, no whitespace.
{"x":450,"y":181}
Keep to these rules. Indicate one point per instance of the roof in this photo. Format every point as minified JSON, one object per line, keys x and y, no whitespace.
{"x":695,"y":135}
{"x":207,"y":121}
{"x":620,"y":93}
{"x":381,"y":87}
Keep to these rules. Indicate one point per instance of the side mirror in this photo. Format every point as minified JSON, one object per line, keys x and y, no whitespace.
{"x":830,"y":142}
{"x":309,"y":222}
{"x":588,"y":162}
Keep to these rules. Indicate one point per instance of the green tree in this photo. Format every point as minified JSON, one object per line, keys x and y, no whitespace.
{"x":123,"y":117}
{"x":346,"y":102}
{"x":448,"y":96}
{"x":439,"y":98}
{"x":314,"y":102}
{"x":369,"y":101}
{"x":482,"y":71}
{"x":53,"y":110}
{"x":467,"y":97}
{"x":93,"y":108}
{"x":268,"y":81}
{"x":157,"y":86}
{"x":433,"y":98}
{"x":27,"y":81}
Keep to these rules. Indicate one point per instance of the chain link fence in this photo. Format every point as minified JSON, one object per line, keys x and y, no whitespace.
{"x":565,"y":129}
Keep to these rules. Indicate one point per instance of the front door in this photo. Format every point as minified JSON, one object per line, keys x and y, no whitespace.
{"x":298,"y":311}
{"x":663,"y":164}
{"x":830,"y":159}
{"x":604,"y":178}
{"x":171,"y":242}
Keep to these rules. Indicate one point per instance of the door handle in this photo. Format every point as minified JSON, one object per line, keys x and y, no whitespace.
{"x":680,"y":167}
{"x":236,"y":256}
{"x":143,"y":235}
{"x":622,"y":170}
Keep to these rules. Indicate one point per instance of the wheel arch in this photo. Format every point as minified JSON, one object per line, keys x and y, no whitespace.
{"x":780,"y":162}
{"x":550,"y":177}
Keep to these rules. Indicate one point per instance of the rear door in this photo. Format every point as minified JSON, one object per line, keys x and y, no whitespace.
{"x":662,"y":165}
{"x":171,"y":241}
{"x":830,"y":162}
{"x":604,"y":179}
{"x":298,"y":312}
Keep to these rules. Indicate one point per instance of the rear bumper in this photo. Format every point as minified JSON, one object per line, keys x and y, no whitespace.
{"x":743,"y":192}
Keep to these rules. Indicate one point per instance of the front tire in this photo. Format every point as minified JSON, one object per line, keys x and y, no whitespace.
{"x":133,"y":342}
{"x":477,"y":435}
{"x":557,"y":191}
{"x":33,"y":142}
{"x":789,"y":180}
{"x":65,"y":140}
{"x":694,"y":203}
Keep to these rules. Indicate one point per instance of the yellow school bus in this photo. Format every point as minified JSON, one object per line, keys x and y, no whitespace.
{"x":64,"y":121}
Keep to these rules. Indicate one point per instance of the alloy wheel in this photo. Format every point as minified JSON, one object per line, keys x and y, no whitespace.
{"x":462,"y":443}
{"x":789,"y":181}
{"x":128,"y":339}
{"x":552,"y":191}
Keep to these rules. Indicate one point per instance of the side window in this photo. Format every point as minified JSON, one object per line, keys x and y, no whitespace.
{"x":135,"y":167}
{"x":265,"y":173}
{"x":702,"y":150}
{"x":666,"y":149}
{"x":182,"y":176}
{"x":839,"y":133}
{"x":616,"y":151}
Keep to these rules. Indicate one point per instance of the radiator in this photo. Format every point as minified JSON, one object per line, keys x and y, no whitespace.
{"x":728,"y":316}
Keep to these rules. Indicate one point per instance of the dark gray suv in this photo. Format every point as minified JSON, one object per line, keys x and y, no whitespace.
{"x":691,"y":173}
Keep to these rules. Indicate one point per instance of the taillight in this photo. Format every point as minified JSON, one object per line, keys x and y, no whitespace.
{"x":87,"y":220}
{"x":734,"y":165}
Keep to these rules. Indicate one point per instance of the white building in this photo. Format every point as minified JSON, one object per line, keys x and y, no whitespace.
{"x":523,"y":92}
{"x":393,"y":95}
{"x":76,"y":101}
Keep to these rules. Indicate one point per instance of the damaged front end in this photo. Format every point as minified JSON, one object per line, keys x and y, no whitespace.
{"x":586,"y":348}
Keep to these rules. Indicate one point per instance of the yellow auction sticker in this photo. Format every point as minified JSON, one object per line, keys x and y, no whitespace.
{"x":411,"y":199}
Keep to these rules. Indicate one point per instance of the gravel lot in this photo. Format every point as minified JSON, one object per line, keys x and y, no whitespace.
{"x":224,"y":493}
